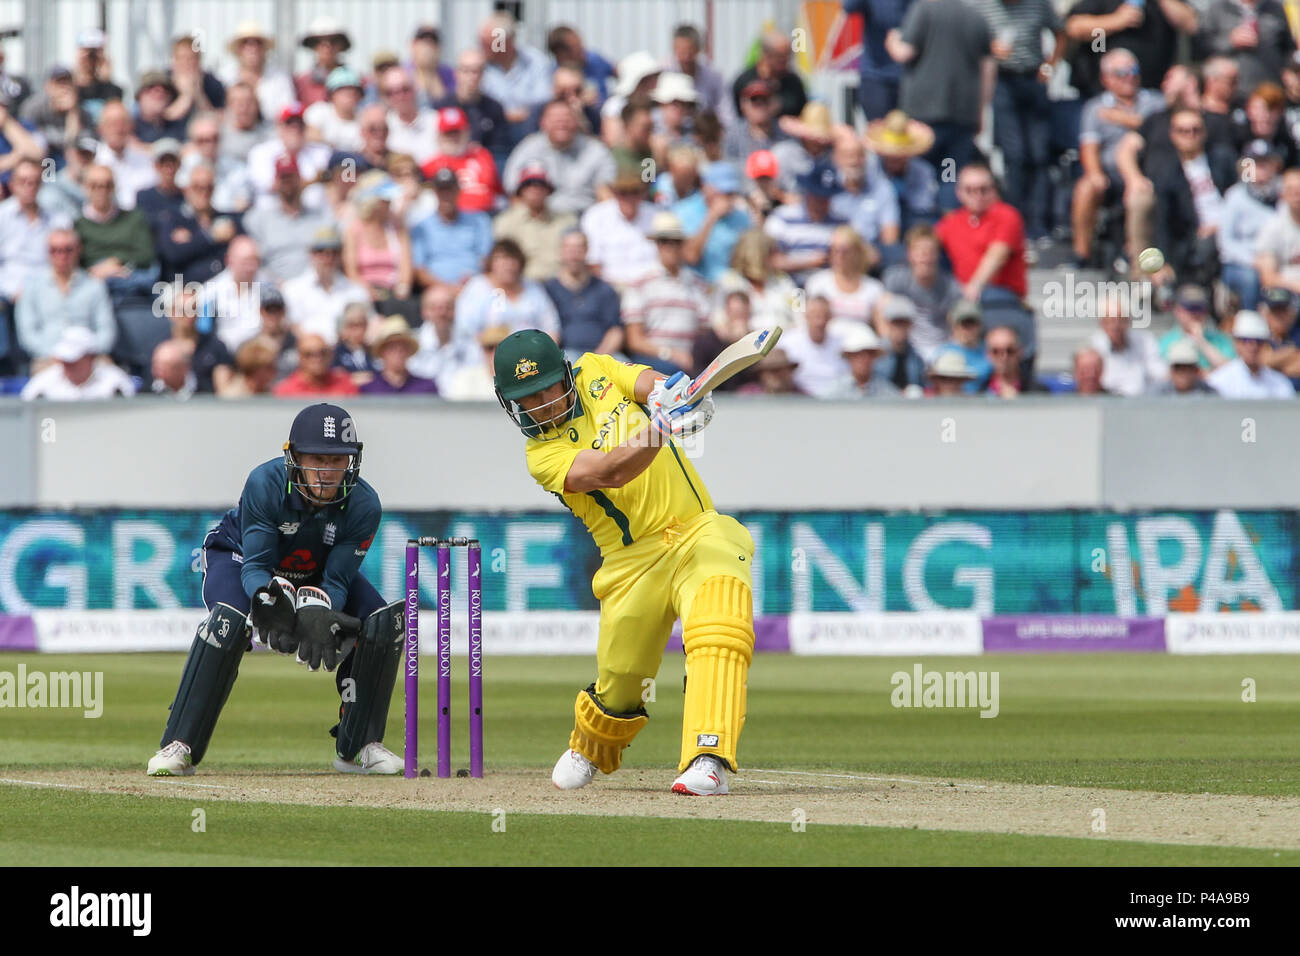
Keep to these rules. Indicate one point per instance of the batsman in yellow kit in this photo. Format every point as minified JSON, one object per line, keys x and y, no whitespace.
{"x":598,"y":439}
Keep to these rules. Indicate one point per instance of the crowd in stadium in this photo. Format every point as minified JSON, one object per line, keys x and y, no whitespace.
{"x":379,"y":228}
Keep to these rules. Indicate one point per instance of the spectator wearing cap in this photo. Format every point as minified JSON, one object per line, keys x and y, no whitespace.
{"x":967,"y":324}
{"x":802,"y":230}
{"x":450,"y":245}
{"x":377,"y":248}
{"x":244,"y":125}
{"x":164,"y":196}
{"x":333,"y":119}
{"x":271,"y":161}
{"x":92,"y":74}
{"x":1256,"y":34}
{"x":774,"y":375}
{"x":1131,"y":356}
{"x":714,"y":219}
{"x":328,"y":41}
{"x":772,"y":294}
{"x":687,"y":58}
{"x":1264,"y":118}
{"x":116,"y":244}
{"x":411,"y":129}
{"x":61,"y":297}
{"x":232,"y":190}
{"x":1185,"y":376}
{"x":1089,"y":370}
{"x":275,"y":329}
{"x":861,"y":349}
{"x":677,"y":105}
{"x":272,"y":86}
{"x":197,"y":90}
{"x":816,"y":347}
{"x":131,"y":167}
{"x":666,"y":310}
{"x":1247,"y":206}
{"x":587,"y":305}
{"x":171,"y":372}
{"x":948,"y":375}
{"x":1283,"y":352}
{"x":618,"y":229}
{"x":474,"y":380}
{"x":853,"y":294}
{"x":24,"y":239}
{"x":943,"y":45}
{"x":985,"y":242}
{"x":515,"y":75}
{"x":316,"y":297}
{"x":757,"y":127}
{"x":210,"y":361}
{"x":577,"y":164}
{"x":1277,"y":250}
{"x":765,"y":194}
{"x":487,"y":120}
{"x":55,"y":113}
{"x":809,"y":141}
{"x":896,"y":145}
{"x":638,"y":74}
{"x":434,"y":80}
{"x":231,"y":301}
{"x":901,"y":365}
{"x":440,"y":353}
{"x":1006,"y":354}
{"x":393,"y":345}
{"x":501,"y":295}
{"x":153,"y":94}
{"x":315,"y":376}
{"x":76,"y":374}
{"x":867,"y":202}
{"x":480,"y":186}
{"x":533,"y":225}
{"x":1191,"y":308}
{"x":350,"y":351}
{"x":920,"y":279}
{"x":773,"y":68}
{"x":284,"y":226}
{"x":192,"y":239}
{"x":1248,"y":376}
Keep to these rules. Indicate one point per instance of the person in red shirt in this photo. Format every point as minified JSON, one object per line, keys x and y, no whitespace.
{"x":984,"y":238}
{"x":314,"y":376}
{"x":480,"y":186}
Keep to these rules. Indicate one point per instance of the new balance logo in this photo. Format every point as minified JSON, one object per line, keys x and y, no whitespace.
{"x":289,"y":527}
{"x":706,"y":740}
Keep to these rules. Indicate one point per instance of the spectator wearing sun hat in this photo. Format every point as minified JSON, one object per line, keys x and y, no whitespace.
{"x":392,"y":345}
{"x":677,"y":102}
{"x":802,"y":230}
{"x":713,"y":218}
{"x":774,"y":375}
{"x":153,"y":94}
{"x":811,"y":135}
{"x":328,"y":41}
{"x":334,"y":119}
{"x":1247,"y":376}
{"x":531,"y":223}
{"x":480,"y":186}
{"x":861,"y":349}
{"x":967,"y":323}
{"x":1184,"y":372}
{"x":75,"y":374}
{"x":948,"y":376}
{"x":250,"y":46}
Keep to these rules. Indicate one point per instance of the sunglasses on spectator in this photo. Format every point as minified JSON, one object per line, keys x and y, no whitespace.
{"x":394,"y":90}
{"x":62,"y":250}
{"x":313,"y":353}
{"x":1188,"y":130}
{"x":99,"y":184}
{"x":980,"y":188}
{"x":1123,"y":71}
{"x":205,"y":139}
{"x":759,"y":99}
{"x":376,"y":127}
{"x":1009,"y":350}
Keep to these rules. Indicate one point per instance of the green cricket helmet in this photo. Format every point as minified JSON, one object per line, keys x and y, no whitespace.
{"x":525,"y":363}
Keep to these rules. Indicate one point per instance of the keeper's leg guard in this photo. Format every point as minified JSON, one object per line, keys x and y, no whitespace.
{"x":602,"y":736}
{"x":210,"y":672}
{"x":718,"y":638}
{"x":367,"y":689}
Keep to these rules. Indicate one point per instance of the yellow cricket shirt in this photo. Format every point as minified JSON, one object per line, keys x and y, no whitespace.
{"x":669,"y":491}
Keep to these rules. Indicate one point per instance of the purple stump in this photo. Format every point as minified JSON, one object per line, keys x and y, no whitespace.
{"x":444,"y":660}
{"x":412,"y":658}
{"x":475,"y":660}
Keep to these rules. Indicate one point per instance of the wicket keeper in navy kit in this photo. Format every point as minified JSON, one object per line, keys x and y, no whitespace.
{"x":283,"y":566}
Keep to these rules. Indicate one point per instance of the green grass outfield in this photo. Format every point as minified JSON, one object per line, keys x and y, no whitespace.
{"x":1139,"y":722}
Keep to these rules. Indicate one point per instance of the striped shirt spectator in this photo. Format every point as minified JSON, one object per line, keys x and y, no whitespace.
{"x":665,"y":311}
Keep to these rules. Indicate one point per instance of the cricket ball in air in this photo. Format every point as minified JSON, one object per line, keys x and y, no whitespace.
{"x":1151,"y":260}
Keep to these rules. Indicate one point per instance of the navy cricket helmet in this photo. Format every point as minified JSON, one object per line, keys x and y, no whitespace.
{"x":323,"y":429}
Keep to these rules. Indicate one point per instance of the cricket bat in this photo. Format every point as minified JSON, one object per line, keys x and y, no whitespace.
{"x":732,"y":360}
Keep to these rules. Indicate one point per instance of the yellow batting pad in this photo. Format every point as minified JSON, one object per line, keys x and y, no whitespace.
{"x":719,"y":641}
{"x":601,"y":736}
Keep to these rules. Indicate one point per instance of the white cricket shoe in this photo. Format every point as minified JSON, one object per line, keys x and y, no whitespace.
{"x":705,"y":777}
{"x":374,"y":758}
{"x":572,"y":771}
{"x":172,"y":761}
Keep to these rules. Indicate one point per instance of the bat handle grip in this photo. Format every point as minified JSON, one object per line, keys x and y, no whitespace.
{"x":675,"y":392}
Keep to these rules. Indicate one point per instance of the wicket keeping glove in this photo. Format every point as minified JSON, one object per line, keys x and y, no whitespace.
{"x":273,"y":614}
{"x":321,"y":632}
